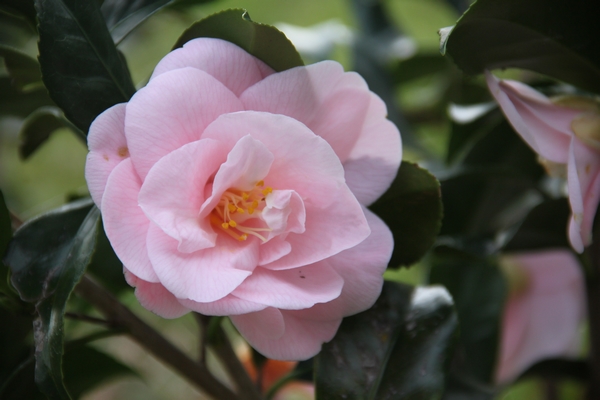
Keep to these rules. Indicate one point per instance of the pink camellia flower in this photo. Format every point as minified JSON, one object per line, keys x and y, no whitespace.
{"x":565,"y":131}
{"x":229,"y":189}
{"x":544,"y":311}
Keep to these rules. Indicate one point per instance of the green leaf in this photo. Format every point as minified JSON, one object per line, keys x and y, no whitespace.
{"x":5,"y":226}
{"x":85,"y":368}
{"x":264,"y":42}
{"x":16,"y":37}
{"x":23,"y":7}
{"x":464,"y":136}
{"x":552,"y":37}
{"x":412,"y":208}
{"x":106,"y":266}
{"x":47,"y":257}
{"x":38,"y":127}
{"x":395,"y":350}
{"x":16,"y":103}
{"x":479,"y":289}
{"x":81,"y":67}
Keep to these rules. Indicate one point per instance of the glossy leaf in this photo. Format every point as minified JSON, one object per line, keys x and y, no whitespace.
{"x":395,"y":350}
{"x":412,"y":208}
{"x":38,"y":127}
{"x":265,"y":42}
{"x":464,"y":136}
{"x":479,"y":289}
{"x":47,"y":257}
{"x":552,"y":37}
{"x":81,"y":67}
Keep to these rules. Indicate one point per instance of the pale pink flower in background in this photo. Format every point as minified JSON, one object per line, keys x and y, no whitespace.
{"x":228,"y":189}
{"x":565,"y":131}
{"x":544,"y":310}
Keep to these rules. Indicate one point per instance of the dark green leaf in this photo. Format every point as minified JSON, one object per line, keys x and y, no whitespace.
{"x":38,"y":127}
{"x":81,"y":67}
{"x":47,"y":258}
{"x":544,"y":227}
{"x":420,"y":66}
{"x":16,"y":103}
{"x":265,"y":42}
{"x":412,"y":208}
{"x":552,"y":37}
{"x":5,"y":226}
{"x":106,"y":266}
{"x":479,"y":289}
{"x":23,"y":7}
{"x":15,"y":31}
{"x":558,"y":368}
{"x":464,"y":135}
{"x":24,"y":69}
{"x":122,"y":17}
{"x":395,"y":350}
{"x":86,"y":368}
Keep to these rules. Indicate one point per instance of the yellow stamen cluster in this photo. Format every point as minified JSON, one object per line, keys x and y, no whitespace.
{"x":235,"y":202}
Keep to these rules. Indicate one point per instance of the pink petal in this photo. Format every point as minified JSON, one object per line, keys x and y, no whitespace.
{"x":228,"y":305}
{"x":544,"y":126}
{"x":292,"y":289}
{"x":273,"y":250}
{"x":301,"y":338}
{"x":205,"y":275}
{"x":303,"y":162}
{"x":173,"y":192}
{"x":173,"y":110}
{"x":284,"y":212}
{"x":108,"y":147}
{"x":361,"y":268}
{"x":154,"y":297}
{"x":228,"y":63}
{"x":373,"y":163}
{"x":124,"y":221}
{"x":544,"y":321}
{"x":340,"y":226}
{"x":267,"y":324}
{"x":583,"y":172}
{"x":327,"y":100}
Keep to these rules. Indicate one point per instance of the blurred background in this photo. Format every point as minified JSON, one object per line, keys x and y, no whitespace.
{"x":393,"y":44}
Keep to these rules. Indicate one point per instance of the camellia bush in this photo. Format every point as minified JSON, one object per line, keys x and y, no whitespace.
{"x":411,"y":223}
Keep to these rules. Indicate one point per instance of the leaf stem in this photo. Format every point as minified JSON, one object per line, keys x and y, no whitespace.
{"x":151,"y":340}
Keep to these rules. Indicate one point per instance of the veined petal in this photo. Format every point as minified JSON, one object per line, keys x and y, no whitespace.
{"x":228,"y":63}
{"x":292,"y":289}
{"x":108,"y":147}
{"x":154,"y":297}
{"x":171,"y":111}
{"x":174,"y":190}
{"x":228,"y":305}
{"x":124,"y":221}
{"x":205,"y":275}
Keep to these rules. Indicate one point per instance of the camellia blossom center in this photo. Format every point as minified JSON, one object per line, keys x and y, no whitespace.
{"x":239,"y":212}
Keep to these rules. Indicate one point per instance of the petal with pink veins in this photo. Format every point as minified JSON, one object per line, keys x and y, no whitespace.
{"x":171,"y":111}
{"x":125,"y":223}
{"x":331,"y":102}
{"x":154,"y":297}
{"x":583,"y":176}
{"x":228,"y":63}
{"x":544,"y":126}
{"x":375,"y":158}
{"x":302,"y":162}
{"x":173,"y":192}
{"x":108,"y":147}
{"x":228,"y":305}
{"x":284,"y":212}
{"x":205,"y":275}
{"x":298,"y":338}
{"x":273,"y":250}
{"x":291,"y":289}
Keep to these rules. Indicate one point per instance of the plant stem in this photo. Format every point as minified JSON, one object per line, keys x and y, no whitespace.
{"x":224,"y":351}
{"x":151,"y":340}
